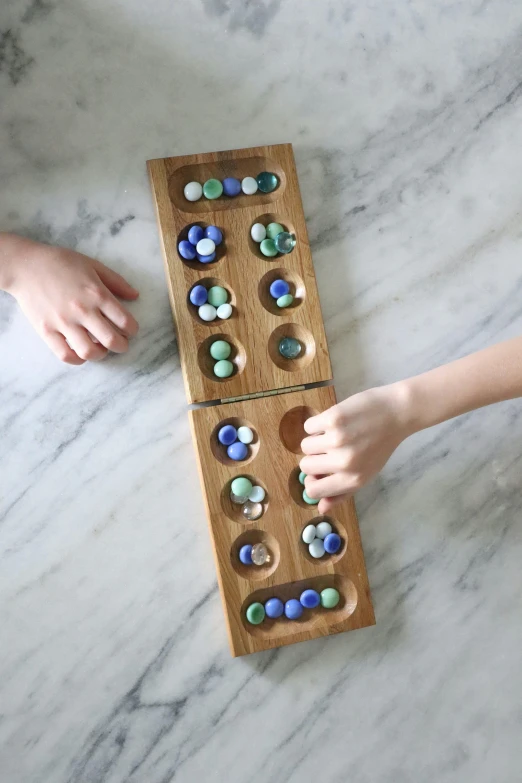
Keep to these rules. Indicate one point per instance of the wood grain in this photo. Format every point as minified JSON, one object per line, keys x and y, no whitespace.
{"x":256,"y":325}
{"x":278,"y":423}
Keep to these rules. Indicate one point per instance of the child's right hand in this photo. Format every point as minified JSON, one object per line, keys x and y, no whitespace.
{"x":70,"y":299}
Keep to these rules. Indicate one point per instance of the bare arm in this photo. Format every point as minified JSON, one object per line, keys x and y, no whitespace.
{"x":351,"y":442}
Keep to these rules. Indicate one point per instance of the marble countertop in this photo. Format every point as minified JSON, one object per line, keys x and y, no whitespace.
{"x":114,"y":664}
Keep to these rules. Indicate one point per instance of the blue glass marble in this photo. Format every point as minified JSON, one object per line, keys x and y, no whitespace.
{"x":227,"y":435}
{"x":231,"y":186}
{"x":237,"y":451}
{"x":310,"y":599}
{"x":186,"y":250}
{"x":245,"y":554}
{"x":206,"y":259}
{"x":199,"y":295}
{"x":279,"y":288}
{"x":274,"y":608}
{"x":214,"y":233}
{"x":332,"y":543}
{"x":293,"y":609}
{"x":195,"y":234}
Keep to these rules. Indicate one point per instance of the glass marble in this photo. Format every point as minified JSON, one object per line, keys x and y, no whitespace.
{"x":249,"y":186}
{"x":290,"y":348}
{"x":293,"y":609}
{"x":316,"y":548}
{"x":212,"y":189}
{"x":274,"y":608}
{"x":260,"y":554}
{"x":245,"y":554}
{"x":285,"y":242}
{"x":186,"y":250}
{"x":332,"y":543}
{"x":231,"y":187}
{"x":241,"y":486}
{"x":205,"y":247}
{"x":308,"y":534}
{"x":279,"y":288}
{"x":223,"y":369}
{"x":195,"y":234}
{"x":273,"y":229}
{"x":217,"y":295}
{"x":198,"y":295}
{"x":302,"y":477}
{"x":237,"y":451}
{"x":257,"y":495}
{"x":258,"y":232}
{"x":267,"y":182}
{"x":310,"y":599}
{"x":193,"y":191}
{"x":268,"y":248}
{"x":285,"y":301}
{"x":323,"y":529}
{"x":238,"y":500}
{"x":207,"y":313}
{"x":308,"y":499}
{"x":245,"y":434}
{"x":214,"y":233}
{"x":227,"y":434}
{"x":224,"y":311}
{"x":206,"y":259}
{"x":330,"y":598}
{"x":221,"y":350}
{"x":252,"y":511}
{"x":255,"y":613}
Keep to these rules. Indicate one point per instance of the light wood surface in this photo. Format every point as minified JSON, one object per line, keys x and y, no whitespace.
{"x":278,"y":425}
{"x":256,"y":326}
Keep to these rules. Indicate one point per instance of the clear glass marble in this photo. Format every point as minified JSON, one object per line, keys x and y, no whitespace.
{"x":237,"y":499}
{"x":260,"y":554}
{"x":252,"y":511}
{"x":290,"y":348}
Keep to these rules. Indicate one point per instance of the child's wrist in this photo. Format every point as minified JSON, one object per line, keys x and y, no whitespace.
{"x":407,"y":411}
{"x":14,"y":252}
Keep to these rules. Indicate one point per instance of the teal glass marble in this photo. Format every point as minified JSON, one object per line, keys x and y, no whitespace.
{"x":223,"y":368}
{"x":290,"y":348}
{"x":284,"y":301}
{"x":268,"y":248}
{"x":285,"y":242}
{"x":267,"y":182}
{"x":309,"y":500}
{"x":273,"y":230}
{"x":212,"y":189}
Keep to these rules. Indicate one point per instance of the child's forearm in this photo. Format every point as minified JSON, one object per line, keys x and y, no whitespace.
{"x":10,"y":248}
{"x":489,"y":376}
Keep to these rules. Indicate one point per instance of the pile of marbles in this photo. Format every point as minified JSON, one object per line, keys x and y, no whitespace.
{"x":249,"y":496}
{"x":220,"y":350}
{"x":266,"y":182}
{"x":321,"y":539}
{"x":272,"y":239}
{"x":290,"y":348}
{"x":280,"y":291}
{"x":254,"y":554}
{"x":292,"y":609}
{"x":212,"y":303}
{"x":201,"y":244}
{"x":307,"y":499}
{"x":236,"y":442}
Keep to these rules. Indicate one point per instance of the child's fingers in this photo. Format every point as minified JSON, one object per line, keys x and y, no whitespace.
{"x":330,"y":486}
{"x":106,"y":333}
{"x":79,"y":340}
{"x":324,"y":464}
{"x":315,"y":444}
{"x":115,"y":282}
{"x":326,"y":504}
{"x":316,"y":424}
{"x":119,"y":316}
{"x":59,"y":347}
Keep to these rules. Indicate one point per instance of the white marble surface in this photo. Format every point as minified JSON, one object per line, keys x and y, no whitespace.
{"x":406,"y":120}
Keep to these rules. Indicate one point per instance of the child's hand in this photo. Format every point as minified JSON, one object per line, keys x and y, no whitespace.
{"x":351,"y":442}
{"x":70,"y":299}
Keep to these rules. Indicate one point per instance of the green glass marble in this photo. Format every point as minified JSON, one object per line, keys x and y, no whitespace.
{"x":285,"y":242}
{"x":302,"y":477}
{"x":212,"y":189}
{"x":308,"y":499}
{"x":217,"y":296}
{"x":223,"y":368}
{"x":255,"y":614}
{"x":241,"y":486}
{"x":268,"y":248}
{"x":273,"y":229}
{"x":220,"y":350}
{"x":290,"y":348}
{"x":283,"y":301}
{"x":330,"y":598}
{"x":267,"y":182}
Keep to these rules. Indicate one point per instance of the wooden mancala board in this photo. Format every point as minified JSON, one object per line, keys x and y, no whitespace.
{"x":266,"y":392}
